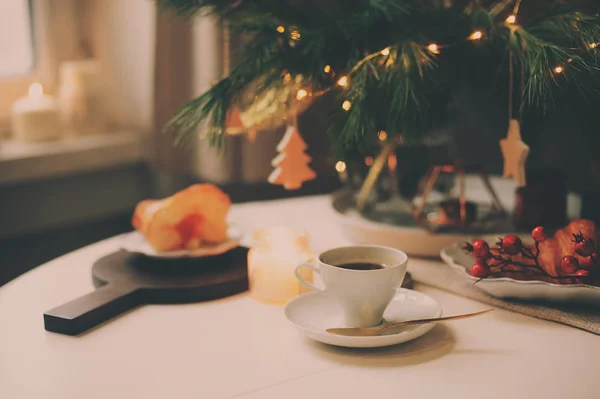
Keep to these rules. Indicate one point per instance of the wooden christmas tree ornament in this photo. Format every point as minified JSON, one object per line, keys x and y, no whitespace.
{"x":291,"y":165}
{"x":514,"y":152}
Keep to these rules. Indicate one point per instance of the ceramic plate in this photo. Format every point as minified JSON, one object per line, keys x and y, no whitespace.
{"x":136,"y":242}
{"x":313,"y":313}
{"x":508,"y":288}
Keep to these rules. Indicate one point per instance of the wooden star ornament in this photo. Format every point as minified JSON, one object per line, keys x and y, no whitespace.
{"x":514,"y":152}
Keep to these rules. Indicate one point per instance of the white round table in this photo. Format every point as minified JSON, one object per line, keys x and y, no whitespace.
{"x":240,"y":348}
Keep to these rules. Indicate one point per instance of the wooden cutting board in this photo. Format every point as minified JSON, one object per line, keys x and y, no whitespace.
{"x":124,"y":281}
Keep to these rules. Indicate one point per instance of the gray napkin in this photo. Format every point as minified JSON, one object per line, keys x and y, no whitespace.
{"x":441,"y":276}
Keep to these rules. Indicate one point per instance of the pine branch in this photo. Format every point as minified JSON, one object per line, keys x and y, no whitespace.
{"x":405,"y":92}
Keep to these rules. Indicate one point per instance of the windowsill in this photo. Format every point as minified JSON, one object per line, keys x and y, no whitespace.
{"x":30,"y":161}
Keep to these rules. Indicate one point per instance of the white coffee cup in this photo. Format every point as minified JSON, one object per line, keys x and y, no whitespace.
{"x":363,"y":294}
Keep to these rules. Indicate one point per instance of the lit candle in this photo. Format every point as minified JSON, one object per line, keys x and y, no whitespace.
{"x":36,"y":117}
{"x":274,"y":255}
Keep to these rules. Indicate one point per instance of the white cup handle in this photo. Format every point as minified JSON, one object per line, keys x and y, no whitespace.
{"x":303,"y":281}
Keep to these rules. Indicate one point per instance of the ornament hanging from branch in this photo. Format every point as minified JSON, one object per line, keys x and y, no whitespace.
{"x":275,"y":106}
{"x":291,"y":165}
{"x":514,"y":152}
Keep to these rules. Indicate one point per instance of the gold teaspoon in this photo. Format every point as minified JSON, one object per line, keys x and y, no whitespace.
{"x":374,"y":331}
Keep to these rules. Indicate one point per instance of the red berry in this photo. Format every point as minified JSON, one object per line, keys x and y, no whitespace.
{"x":583,"y":246}
{"x":589,"y":261}
{"x":481,"y":249}
{"x":569,"y":264}
{"x":538,"y":234}
{"x":582,"y":273}
{"x":511,"y":245}
{"x":480,"y":270}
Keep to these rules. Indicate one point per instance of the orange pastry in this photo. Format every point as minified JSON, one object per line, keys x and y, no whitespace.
{"x":189,"y":219}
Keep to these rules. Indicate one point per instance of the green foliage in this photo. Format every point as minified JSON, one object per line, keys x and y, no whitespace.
{"x":407,"y":91}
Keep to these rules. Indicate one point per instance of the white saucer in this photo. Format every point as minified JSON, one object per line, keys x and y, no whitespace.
{"x":315,"y":312}
{"x":136,"y":242}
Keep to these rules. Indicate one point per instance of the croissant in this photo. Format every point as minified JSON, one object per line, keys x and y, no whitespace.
{"x":189,"y":219}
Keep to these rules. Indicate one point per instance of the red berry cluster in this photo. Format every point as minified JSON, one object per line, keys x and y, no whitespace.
{"x":512,"y":245}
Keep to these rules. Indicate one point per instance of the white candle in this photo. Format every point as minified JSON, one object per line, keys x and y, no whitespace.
{"x":81,"y":98}
{"x":274,"y":255}
{"x":36,"y":117}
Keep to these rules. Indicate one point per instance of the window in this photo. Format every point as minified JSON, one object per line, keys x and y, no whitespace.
{"x":16,"y":41}
{"x":26,"y":51}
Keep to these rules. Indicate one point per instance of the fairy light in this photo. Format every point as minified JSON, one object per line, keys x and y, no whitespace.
{"x":559,"y":69}
{"x":343,"y":81}
{"x":511,"y":19}
{"x":476,"y":35}
{"x":369,"y":161}
{"x":280,"y":29}
{"x":294,"y":34}
{"x":433,"y":48}
{"x":570,"y":60}
{"x":301,"y":94}
{"x":385,"y":51}
{"x":382,"y":135}
{"x":593,"y":45}
{"x":346,"y":105}
{"x":327,"y":68}
{"x":340,"y":166}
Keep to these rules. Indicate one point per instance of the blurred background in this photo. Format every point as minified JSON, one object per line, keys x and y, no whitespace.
{"x":123,"y":68}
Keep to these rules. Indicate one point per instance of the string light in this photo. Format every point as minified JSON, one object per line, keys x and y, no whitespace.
{"x":280,"y":29}
{"x":340,"y":166}
{"x":570,"y":60}
{"x":385,"y":51}
{"x":476,"y":35}
{"x":593,"y":45}
{"x":343,"y":81}
{"x":433,"y":48}
{"x":301,"y":94}
{"x":294,"y":34}
{"x":558,"y":69}
{"x":382,"y":135}
{"x":511,"y":19}
{"x":369,"y":161}
{"x":327,"y":68}
{"x":346,"y":105}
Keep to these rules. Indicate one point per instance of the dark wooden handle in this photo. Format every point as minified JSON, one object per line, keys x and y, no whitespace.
{"x":83,"y":313}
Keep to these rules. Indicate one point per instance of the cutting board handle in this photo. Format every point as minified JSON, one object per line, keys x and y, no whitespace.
{"x":85,"y":312}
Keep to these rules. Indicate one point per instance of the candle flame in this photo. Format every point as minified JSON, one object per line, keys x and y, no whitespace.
{"x":36,"y":91}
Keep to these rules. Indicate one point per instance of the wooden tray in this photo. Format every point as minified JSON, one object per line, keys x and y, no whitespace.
{"x":125,"y":281}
